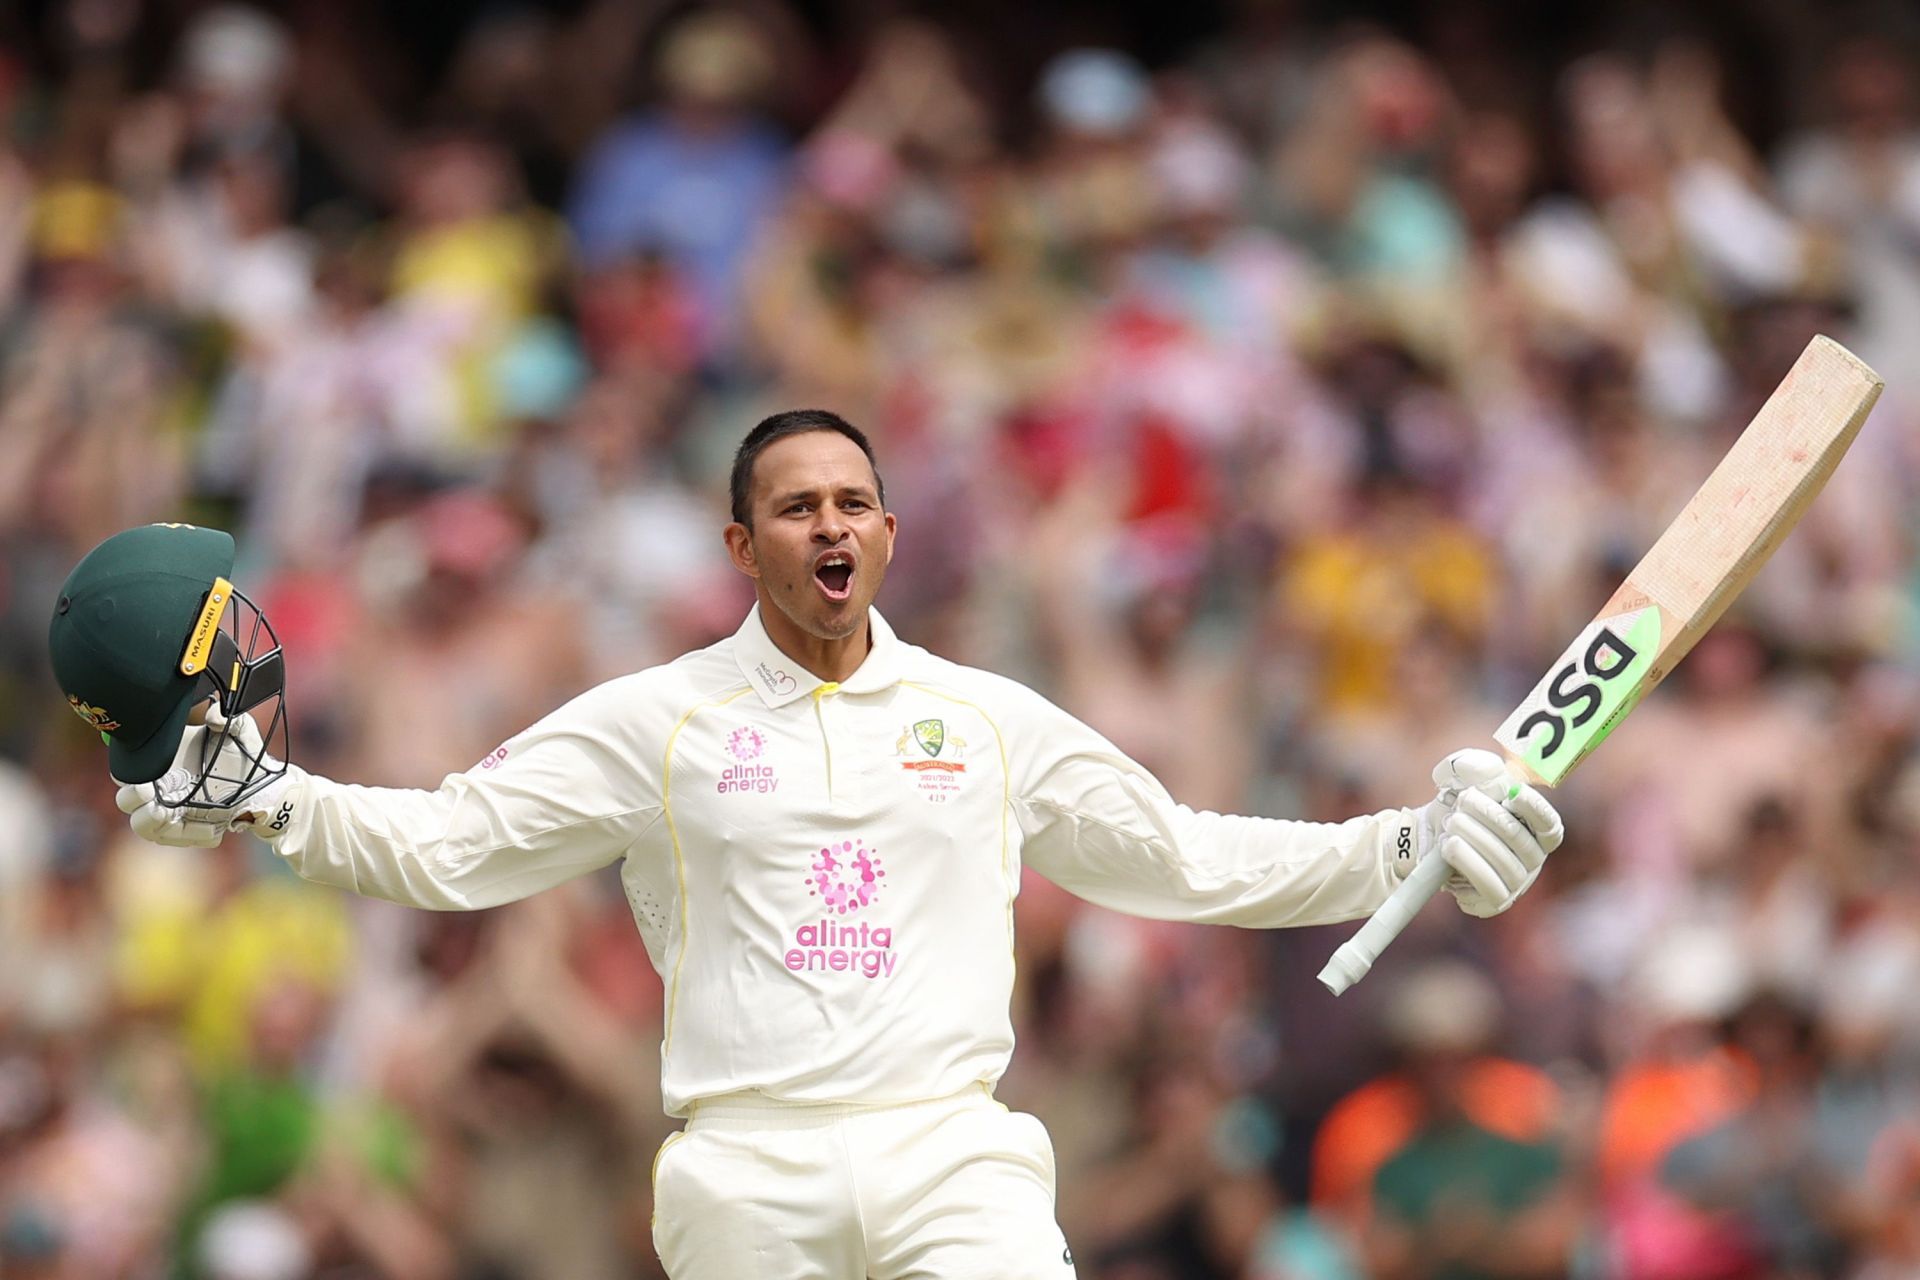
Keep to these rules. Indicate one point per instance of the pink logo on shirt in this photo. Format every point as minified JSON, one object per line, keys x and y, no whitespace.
{"x":846,"y":876}
{"x":778,"y":683}
{"x":746,"y":745}
{"x":831,"y":947}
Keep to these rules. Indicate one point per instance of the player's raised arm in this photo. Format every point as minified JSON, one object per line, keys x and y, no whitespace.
{"x":1098,"y":824}
{"x":563,"y":798}
{"x":1707,"y":556}
{"x":148,"y":628}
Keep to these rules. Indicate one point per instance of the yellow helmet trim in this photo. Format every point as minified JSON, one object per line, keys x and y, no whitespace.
{"x":200,"y":647}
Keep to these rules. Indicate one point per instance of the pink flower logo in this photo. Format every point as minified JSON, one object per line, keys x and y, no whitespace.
{"x":746,"y":743}
{"x":846,"y":876}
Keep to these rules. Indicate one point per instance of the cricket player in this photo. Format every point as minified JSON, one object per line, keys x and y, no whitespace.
{"x":821,"y":830}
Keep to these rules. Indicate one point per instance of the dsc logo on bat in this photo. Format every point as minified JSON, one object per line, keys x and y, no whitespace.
{"x":1605,"y":659}
{"x":1594,"y":683}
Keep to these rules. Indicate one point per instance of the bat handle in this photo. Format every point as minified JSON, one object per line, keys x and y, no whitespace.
{"x":1351,"y":962}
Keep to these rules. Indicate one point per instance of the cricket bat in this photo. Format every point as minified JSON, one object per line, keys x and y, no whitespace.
{"x":1706,"y":557}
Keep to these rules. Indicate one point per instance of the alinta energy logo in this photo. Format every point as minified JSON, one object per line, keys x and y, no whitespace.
{"x":845,"y":877}
{"x":746,"y":745}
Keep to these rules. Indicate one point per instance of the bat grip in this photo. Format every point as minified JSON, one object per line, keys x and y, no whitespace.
{"x":1351,"y":962}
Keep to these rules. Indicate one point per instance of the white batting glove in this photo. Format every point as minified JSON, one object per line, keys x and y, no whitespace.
{"x":164,"y":823}
{"x":155,"y":810}
{"x":1495,"y":842}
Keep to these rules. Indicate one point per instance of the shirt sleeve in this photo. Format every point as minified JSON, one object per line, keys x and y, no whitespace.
{"x":566,"y":797}
{"x":1100,"y":826}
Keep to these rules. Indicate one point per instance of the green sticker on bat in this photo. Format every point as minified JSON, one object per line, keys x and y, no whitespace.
{"x":1586,"y":693}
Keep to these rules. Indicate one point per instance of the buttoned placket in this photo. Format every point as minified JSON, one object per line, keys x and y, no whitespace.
{"x":820,"y":696}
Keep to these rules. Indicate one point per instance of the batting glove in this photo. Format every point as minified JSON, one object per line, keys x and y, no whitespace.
{"x":174,"y":809}
{"x":1493,"y":832}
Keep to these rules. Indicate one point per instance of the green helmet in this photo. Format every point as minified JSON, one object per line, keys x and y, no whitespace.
{"x":148,"y":626}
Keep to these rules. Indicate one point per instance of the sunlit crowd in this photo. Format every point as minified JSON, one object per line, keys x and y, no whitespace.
{"x":1280,"y":400}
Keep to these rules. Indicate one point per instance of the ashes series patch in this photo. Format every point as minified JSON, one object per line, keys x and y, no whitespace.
{"x":935,"y":757}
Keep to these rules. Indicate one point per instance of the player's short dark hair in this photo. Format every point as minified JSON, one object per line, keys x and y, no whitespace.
{"x":793,"y":422}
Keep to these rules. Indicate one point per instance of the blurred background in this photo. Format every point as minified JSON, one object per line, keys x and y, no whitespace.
{"x":1277,"y":384}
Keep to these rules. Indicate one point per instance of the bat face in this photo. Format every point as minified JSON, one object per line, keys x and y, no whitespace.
{"x":1584,"y":695}
{"x":1706,"y":557}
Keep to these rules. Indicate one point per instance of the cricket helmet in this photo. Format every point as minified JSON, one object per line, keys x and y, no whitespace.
{"x":147,"y":627}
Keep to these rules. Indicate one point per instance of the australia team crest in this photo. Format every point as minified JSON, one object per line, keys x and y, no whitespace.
{"x":98,"y":717}
{"x":935,"y":757}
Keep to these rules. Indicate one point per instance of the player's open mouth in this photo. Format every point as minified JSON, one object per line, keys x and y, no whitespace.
{"x":834,"y":573}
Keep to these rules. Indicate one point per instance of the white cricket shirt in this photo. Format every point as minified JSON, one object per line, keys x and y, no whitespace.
{"x":824,"y":874}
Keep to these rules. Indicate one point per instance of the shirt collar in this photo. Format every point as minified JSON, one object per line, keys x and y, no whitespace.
{"x":779,"y":680}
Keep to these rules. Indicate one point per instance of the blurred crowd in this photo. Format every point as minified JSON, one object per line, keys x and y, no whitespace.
{"x":1279,"y":390}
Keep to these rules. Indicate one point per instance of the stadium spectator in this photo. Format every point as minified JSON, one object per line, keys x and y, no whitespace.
{"x":1276,"y":389}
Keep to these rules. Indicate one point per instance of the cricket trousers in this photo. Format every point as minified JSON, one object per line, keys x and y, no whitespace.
{"x":957,"y":1188}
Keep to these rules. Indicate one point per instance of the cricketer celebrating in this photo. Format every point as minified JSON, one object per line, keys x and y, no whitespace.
{"x":821,"y":829}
